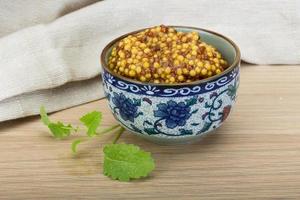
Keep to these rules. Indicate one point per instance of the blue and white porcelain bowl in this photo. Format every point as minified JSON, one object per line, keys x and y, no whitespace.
{"x":174,"y":113}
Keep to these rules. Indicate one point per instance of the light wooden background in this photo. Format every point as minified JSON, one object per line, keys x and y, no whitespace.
{"x":255,"y":155}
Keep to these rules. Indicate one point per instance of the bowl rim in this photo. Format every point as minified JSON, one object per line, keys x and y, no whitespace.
{"x":113,"y":42}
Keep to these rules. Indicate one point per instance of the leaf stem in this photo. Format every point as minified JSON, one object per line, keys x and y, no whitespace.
{"x":85,"y":138}
{"x":119,"y":133}
{"x":109,"y":129}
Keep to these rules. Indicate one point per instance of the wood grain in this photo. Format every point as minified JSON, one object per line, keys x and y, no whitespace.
{"x":255,"y":155}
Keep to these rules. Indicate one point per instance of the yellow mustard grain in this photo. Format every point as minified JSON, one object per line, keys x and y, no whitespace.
{"x":163,"y":55}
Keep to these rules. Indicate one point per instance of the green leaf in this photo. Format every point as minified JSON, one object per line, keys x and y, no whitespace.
{"x":231,"y":90}
{"x":185,"y":132}
{"x":194,"y":111}
{"x":205,"y":127}
{"x":44,"y":116}
{"x":137,"y":102}
{"x":151,"y":131}
{"x":190,"y":102}
{"x":91,"y":121}
{"x":59,"y":130}
{"x":126,"y":161}
{"x":206,"y":105}
{"x":75,"y":144}
{"x":195,"y":124}
{"x":147,"y":122}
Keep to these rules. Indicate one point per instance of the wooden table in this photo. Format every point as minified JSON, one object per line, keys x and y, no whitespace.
{"x":255,"y":155}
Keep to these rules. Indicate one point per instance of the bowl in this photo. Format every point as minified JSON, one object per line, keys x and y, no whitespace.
{"x":174,"y":113}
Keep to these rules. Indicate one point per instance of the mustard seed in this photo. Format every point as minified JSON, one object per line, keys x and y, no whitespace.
{"x":162,"y":54}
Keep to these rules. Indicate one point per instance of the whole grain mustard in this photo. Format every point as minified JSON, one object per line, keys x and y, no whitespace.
{"x":163,"y":55}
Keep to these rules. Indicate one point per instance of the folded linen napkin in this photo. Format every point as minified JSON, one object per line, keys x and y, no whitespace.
{"x":54,"y":59}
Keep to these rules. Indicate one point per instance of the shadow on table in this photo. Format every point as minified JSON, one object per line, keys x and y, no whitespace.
{"x":6,"y":125}
{"x":173,"y":157}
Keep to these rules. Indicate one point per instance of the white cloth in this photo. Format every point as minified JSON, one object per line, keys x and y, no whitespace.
{"x":50,"y":57}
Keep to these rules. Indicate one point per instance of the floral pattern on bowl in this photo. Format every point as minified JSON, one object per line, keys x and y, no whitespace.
{"x":145,"y":110}
{"x":176,"y":113}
